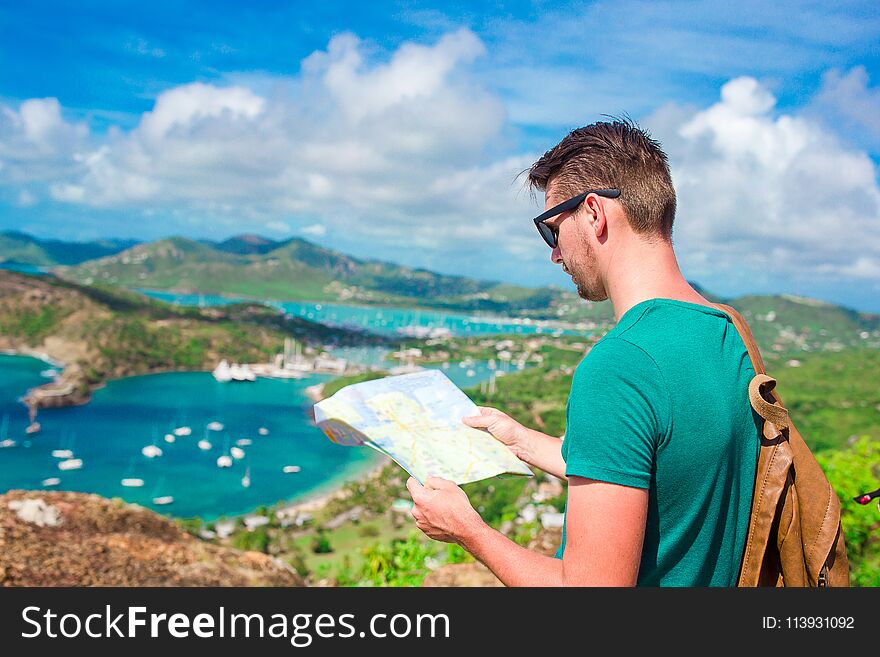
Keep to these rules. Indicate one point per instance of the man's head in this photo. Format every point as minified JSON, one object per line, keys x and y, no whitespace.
{"x":606,"y":155}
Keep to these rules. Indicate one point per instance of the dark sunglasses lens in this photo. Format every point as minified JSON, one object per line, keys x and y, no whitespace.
{"x":548,"y":235}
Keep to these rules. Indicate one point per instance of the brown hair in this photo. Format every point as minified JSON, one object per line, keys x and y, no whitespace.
{"x":613,"y":154}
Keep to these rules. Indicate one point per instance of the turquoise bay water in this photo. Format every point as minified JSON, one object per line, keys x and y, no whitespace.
{"x":109,"y":432}
{"x":379,"y":319}
{"x":128,"y":414}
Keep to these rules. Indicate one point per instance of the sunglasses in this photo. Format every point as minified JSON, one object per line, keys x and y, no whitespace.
{"x":551,"y":234}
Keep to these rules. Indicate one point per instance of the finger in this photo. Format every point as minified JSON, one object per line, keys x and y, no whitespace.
{"x":478,"y":421}
{"x":414,"y":487}
{"x":439,"y":483}
{"x":489,"y":410}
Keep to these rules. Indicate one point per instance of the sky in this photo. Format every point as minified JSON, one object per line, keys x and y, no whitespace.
{"x":398,"y":130}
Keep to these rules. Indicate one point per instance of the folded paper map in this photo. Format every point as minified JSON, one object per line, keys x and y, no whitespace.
{"x":416,"y":420}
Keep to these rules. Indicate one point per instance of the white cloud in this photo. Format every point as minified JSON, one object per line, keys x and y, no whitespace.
{"x":316,"y":230}
{"x":765,"y":193}
{"x":847,"y":103}
{"x":184,"y":106}
{"x":364,"y":145}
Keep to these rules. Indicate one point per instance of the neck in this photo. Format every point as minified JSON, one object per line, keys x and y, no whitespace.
{"x":646,"y":270}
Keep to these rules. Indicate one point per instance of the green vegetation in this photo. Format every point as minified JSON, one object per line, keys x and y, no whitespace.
{"x":852,"y":471}
{"x":24,"y":249}
{"x":833,"y":396}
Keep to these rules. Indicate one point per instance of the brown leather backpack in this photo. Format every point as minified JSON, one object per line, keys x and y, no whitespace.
{"x":794,"y":537}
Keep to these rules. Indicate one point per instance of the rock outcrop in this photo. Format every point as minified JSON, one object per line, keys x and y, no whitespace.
{"x":75,"y":539}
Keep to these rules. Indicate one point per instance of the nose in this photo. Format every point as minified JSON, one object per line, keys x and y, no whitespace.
{"x":556,"y":255}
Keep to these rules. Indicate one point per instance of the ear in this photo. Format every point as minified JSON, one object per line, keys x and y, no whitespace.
{"x":596,"y":214}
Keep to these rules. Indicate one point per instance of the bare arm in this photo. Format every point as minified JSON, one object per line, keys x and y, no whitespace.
{"x":605,"y":528}
{"x":533,"y":447}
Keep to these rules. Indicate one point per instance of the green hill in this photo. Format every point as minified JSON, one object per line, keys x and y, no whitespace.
{"x":103,"y":332}
{"x":16,"y":247}
{"x":296,"y":269}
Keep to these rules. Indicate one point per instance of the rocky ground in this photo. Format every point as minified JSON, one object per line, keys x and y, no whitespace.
{"x":75,"y":539}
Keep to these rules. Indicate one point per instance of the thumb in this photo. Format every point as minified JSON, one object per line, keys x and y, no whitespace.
{"x":478,"y":421}
{"x":438,"y":483}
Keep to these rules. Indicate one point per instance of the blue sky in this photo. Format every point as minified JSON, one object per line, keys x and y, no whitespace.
{"x":396,"y":130}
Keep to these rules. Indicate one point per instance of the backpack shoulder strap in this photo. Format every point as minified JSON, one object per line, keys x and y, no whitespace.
{"x":746,"y":334}
{"x":764,"y":400}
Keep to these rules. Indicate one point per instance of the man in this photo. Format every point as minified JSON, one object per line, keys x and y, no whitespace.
{"x":661,"y":444}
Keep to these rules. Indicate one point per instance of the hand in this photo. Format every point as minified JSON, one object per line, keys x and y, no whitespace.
{"x":442,"y":510}
{"x":504,"y":429}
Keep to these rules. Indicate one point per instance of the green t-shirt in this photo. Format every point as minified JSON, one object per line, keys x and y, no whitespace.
{"x":661,"y":402}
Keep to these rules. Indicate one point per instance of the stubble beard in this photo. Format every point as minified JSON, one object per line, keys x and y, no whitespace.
{"x":590,"y":290}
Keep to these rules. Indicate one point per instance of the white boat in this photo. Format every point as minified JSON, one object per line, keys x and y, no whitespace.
{"x":182,"y":431}
{"x":288,"y":469}
{"x":471,"y":373}
{"x":170,"y":438}
{"x":246,"y":480}
{"x":8,"y":443}
{"x":51,"y":481}
{"x":244,"y":442}
{"x":70,"y":464}
{"x":237,"y":453}
{"x":224,"y":461}
{"x":205,"y":445}
{"x":62,"y":453}
{"x":151,"y":451}
{"x":263,"y":431}
{"x":242,"y":372}
{"x":222,"y":372}
{"x":163,"y":500}
{"x":215,"y":426}
{"x":132,"y":482}
{"x":33,"y":427}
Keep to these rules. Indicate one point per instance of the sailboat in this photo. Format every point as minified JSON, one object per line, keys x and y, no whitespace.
{"x":223,"y":372}
{"x":5,"y":441}
{"x":225,"y":461}
{"x":128,"y":481}
{"x":204,"y":443}
{"x":161,"y":500}
{"x":153,"y":450}
{"x":246,"y":480}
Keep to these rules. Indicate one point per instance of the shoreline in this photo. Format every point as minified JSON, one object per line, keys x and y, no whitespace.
{"x":321,"y":496}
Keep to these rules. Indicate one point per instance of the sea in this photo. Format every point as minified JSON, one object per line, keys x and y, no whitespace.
{"x":109,"y":433}
{"x":385,"y":320}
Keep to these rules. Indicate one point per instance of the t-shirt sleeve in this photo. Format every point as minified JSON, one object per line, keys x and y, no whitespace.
{"x":618,"y":412}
